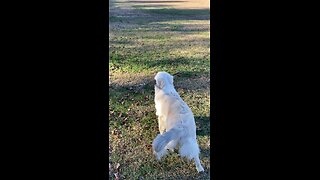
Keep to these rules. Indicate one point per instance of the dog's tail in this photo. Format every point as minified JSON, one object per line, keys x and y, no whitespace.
{"x":162,"y":140}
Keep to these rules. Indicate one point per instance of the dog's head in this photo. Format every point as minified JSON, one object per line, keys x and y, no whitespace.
{"x":163,"y":79}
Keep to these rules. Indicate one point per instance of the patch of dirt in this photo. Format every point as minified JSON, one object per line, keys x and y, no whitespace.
{"x":139,"y":80}
{"x":199,"y":83}
{"x":129,"y":79}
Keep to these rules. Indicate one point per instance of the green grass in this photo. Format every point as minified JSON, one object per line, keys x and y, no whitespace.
{"x":138,"y":48}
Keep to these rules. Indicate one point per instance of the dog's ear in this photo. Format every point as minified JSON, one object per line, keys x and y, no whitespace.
{"x":161,"y":83}
{"x":171,"y":79}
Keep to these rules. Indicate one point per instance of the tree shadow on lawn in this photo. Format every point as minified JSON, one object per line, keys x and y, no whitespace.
{"x":195,"y":82}
{"x":155,"y":14}
{"x":151,"y":6}
{"x":152,"y":2}
{"x":188,"y":13}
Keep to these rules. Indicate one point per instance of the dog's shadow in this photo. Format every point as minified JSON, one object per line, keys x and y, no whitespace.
{"x":203,"y":125}
{"x":203,"y":129}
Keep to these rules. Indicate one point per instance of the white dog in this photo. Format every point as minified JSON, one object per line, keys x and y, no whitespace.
{"x":176,"y":118}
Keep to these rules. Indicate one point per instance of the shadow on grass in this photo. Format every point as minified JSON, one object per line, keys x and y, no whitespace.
{"x":176,"y":163}
{"x":187,"y":81}
{"x":153,"y":1}
{"x":204,"y":13}
{"x":165,"y":13}
{"x":150,"y":6}
{"x":203,"y":125}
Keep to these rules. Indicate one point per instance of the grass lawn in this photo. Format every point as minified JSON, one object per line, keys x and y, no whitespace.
{"x":146,"y":37}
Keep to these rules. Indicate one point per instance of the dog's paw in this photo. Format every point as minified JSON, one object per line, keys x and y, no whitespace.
{"x":158,"y":157}
{"x":200,"y":169}
{"x":171,"y":150}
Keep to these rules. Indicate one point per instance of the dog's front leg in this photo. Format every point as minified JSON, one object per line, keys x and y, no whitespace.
{"x":161,"y":123}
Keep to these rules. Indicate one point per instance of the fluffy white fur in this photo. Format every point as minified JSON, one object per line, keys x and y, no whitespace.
{"x":176,"y":122}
